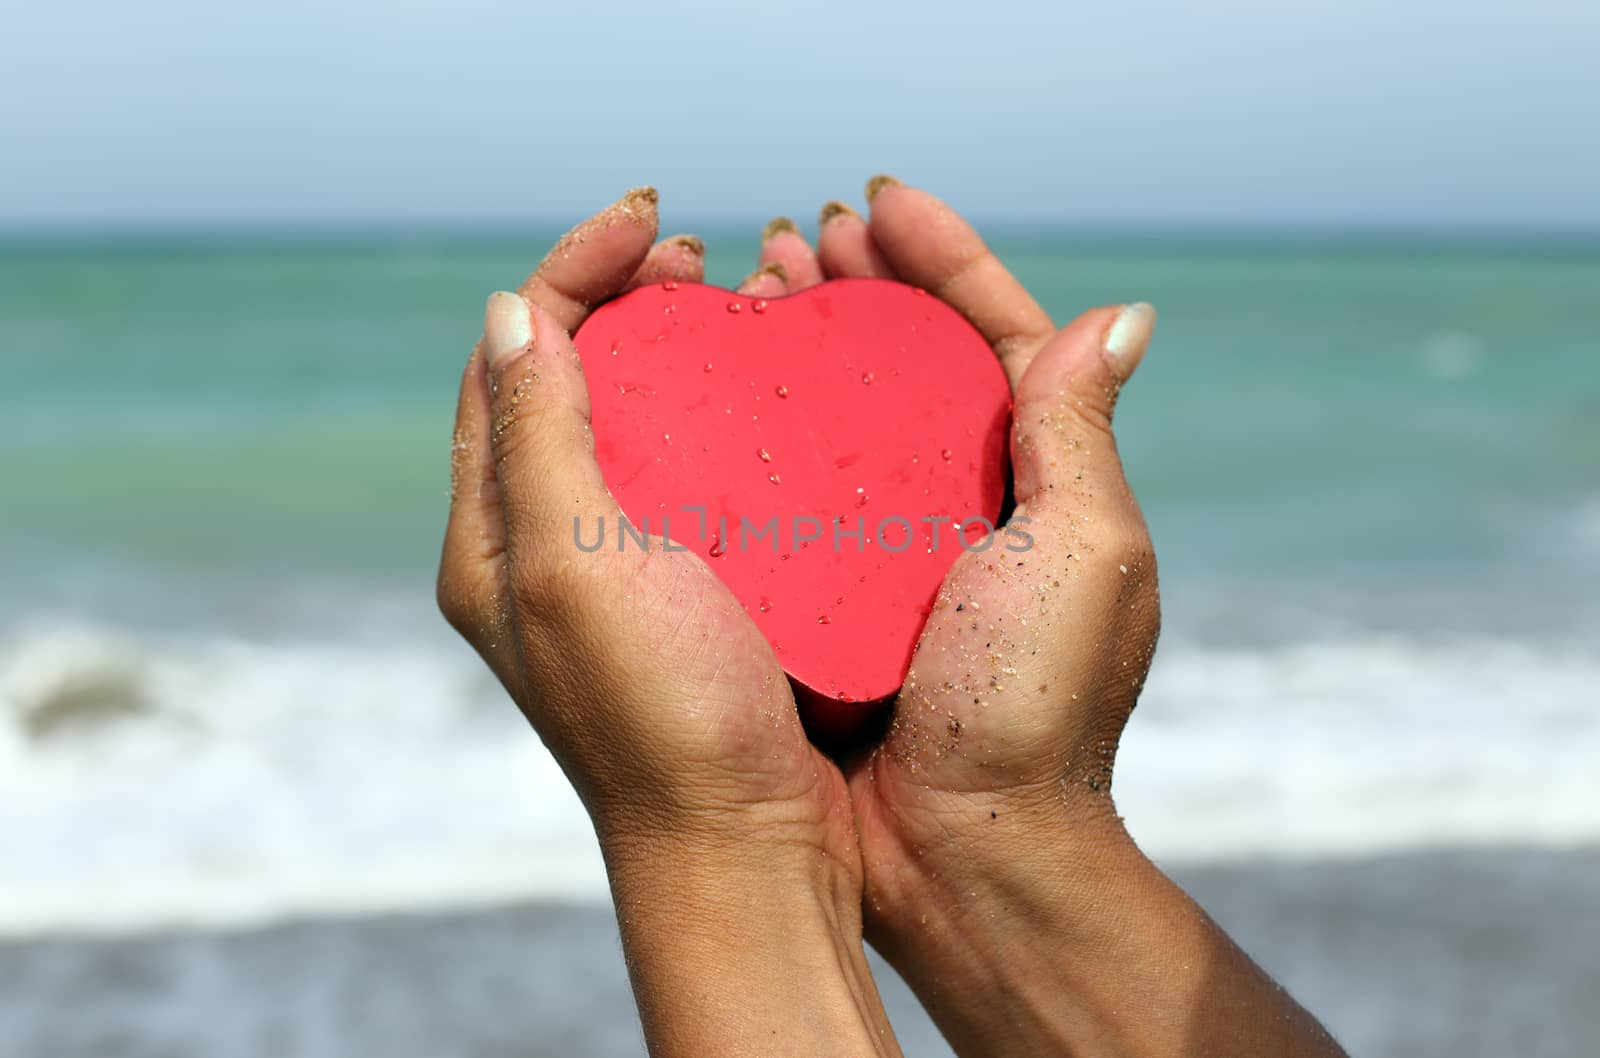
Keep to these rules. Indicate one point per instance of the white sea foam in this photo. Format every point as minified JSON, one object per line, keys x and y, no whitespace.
{"x":236,"y":782}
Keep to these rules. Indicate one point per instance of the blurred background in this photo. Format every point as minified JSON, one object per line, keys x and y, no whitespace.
{"x":255,"y":797}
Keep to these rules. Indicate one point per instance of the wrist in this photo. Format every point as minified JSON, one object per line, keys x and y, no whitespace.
{"x":746,"y":948}
{"x":1059,"y":936}
{"x":1002,"y":872}
{"x":735,"y":873}
{"x":1019,"y":925}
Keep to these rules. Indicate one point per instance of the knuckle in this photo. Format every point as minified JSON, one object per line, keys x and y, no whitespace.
{"x":455,"y":600}
{"x":515,"y":411}
{"x":506,"y":440}
{"x":1113,"y":548}
{"x":547,"y":586}
{"x":1089,"y":405}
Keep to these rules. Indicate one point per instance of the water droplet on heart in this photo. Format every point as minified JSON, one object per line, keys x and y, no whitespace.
{"x":867,"y":378}
{"x":915,"y":458}
{"x":666,"y":438}
{"x":765,"y":605}
{"x":775,"y":480}
{"x":839,"y":601}
{"x":946,"y":454}
{"x":763,"y":455}
{"x":616,"y":347}
{"x":782,"y":391}
{"x":670,"y":284}
{"x":708,"y":366}
{"x":861,"y":497}
{"x":717,"y":547}
{"x":734,"y":306}
{"x":919,"y":292}
{"x":759,"y":305}
{"x":824,"y":620}
{"x":669,"y":309}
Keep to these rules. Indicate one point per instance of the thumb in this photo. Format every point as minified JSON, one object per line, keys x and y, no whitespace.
{"x":540,"y":436}
{"x":1065,"y":399}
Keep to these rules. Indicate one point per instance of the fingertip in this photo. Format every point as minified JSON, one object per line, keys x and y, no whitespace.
{"x":691,"y":244}
{"x":779,"y":226}
{"x":770,"y":280}
{"x":783,"y":245}
{"x":1090,"y":359}
{"x":878,"y":184}
{"x":595,"y":260}
{"x":642,"y":203}
{"x":845,"y":248}
{"x":677,"y":258}
{"x":1075,"y":351}
{"x":833,"y":209}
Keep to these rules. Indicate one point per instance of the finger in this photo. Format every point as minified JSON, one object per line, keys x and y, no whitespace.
{"x":768,"y":281}
{"x":782,"y":244}
{"x":595,"y":260}
{"x":1061,"y":435}
{"x":472,"y":583}
{"x":930,"y":246}
{"x":845,"y":248}
{"x":678,"y":259}
{"x":542,"y":446}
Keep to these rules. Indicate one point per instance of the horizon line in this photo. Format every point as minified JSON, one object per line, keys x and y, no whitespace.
{"x":317,"y":231}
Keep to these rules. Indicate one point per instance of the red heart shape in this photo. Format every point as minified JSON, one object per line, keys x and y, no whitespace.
{"x":857,"y":399}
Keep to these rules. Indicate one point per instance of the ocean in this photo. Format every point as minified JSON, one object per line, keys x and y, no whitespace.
{"x":257,"y":799}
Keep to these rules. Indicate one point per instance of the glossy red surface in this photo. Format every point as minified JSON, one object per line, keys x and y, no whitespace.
{"x":853,"y":404}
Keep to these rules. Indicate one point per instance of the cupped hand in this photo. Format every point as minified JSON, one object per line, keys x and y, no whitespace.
{"x":1007,"y":726}
{"x":650,"y":684}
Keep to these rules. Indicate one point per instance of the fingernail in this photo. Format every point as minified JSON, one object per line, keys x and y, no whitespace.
{"x":773,"y":268}
{"x":777,"y":226}
{"x":691,"y":243}
{"x":507,"y":327}
{"x":639,"y":200}
{"x":831,"y":210}
{"x":878,"y":183}
{"x":1130,"y":333}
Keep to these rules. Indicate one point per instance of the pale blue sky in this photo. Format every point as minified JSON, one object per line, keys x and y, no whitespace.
{"x":1323,"y":112}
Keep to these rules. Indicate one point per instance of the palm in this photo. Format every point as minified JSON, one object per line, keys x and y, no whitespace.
{"x":697,"y":640}
{"x":1022,"y":680}
{"x":1030,"y":661}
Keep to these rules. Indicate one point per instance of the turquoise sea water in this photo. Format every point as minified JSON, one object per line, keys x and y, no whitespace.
{"x":1372,"y":471}
{"x":271,"y":406}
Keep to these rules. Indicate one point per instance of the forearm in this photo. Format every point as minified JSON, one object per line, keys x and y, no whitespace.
{"x":737,"y":953}
{"x":1077,"y":946}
